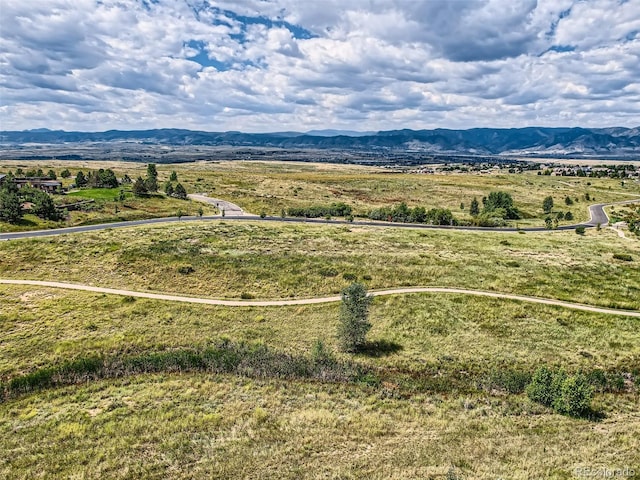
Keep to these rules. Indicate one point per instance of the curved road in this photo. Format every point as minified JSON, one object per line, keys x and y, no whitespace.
{"x":597,"y":214}
{"x":311,"y":301}
{"x":225,"y":206}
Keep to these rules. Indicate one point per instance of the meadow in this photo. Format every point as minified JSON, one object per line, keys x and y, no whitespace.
{"x":273,"y":260}
{"x":437,"y":393}
{"x":270,"y":187}
{"x":443,"y":406}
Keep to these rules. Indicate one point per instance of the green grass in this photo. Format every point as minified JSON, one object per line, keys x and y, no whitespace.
{"x":41,"y":327}
{"x":283,"y":260}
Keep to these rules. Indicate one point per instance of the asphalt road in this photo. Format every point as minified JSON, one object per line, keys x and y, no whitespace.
{"x":312,"y":301}
{"x":225,"y":206}
{"x":597,"y":214}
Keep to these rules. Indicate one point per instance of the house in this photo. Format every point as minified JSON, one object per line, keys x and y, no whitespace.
{"x":42,"y":183}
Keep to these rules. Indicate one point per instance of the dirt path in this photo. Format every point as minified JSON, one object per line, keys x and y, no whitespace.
{"x":311,"y":301}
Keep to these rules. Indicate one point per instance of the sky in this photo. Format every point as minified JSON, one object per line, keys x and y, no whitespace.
{"x":298,"y":65}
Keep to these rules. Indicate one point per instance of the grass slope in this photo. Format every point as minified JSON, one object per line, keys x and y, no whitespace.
{"x":284,"y":260}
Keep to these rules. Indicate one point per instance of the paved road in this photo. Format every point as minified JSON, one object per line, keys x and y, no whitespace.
{"x":311,"y":301}
{"x":596,"y":212}
{"x":230,"y":209}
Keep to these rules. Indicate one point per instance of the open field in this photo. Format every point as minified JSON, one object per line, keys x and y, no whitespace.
{"x":43,"y":326}
{"x":204,"y":426}
{"x":440,"y":388}
{"x":198,"y":424}
{"x":225,"y":260}
{"x":270,"y":187}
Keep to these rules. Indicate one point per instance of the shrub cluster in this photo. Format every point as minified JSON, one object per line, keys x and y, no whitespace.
{"x":338,"y":209}
{"x":256,"y":361}
{"x":404,"y":214}
{"x":566,"y":394}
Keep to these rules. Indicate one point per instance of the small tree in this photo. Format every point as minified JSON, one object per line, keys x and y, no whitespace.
{"x":180,"y":192}
{"x":568,"y":200}
{"x":65,"y":173}
{"x":547,"y":204}
{"x":52,"y":175}
{"x":10,"y":205}
{"x":474,"y":208}
{"x":168,"y":189}
{"x":81,"y":180}
{"x":354,"y":317}
{"x":174,"y":176}
{"x":151,"y":182}
{"x":140,"y":187}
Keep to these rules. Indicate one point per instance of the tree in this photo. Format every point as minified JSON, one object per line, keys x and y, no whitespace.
{"x":10,"y":204}
{"x":52,"y":175}
{"x":500,"y":204}
{"x":168,"y":189}
{"x":81,"y":180}
{"x":151,"y":182}
{"x":474,"y":208}
{"x":122,"y":196}
{"x":43,"y":206}
{"x":180,"y":192}
{"x":547,"y":204}
{"x":65,"y":173}
{"x":568,"y":200}
{"x":174,"y":176}
{"x":140,"y":187}
{"x":354,"y":317}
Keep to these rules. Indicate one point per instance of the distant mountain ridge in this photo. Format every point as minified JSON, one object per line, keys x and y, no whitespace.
{"x":476,"y":141}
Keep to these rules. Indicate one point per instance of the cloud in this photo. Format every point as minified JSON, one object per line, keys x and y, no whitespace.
{"x":264,"y":65}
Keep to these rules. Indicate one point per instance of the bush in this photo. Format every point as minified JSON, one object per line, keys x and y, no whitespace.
{"x":625,"y":257}
{"x":351,"y":277}
{"x":247,"y":296}
{"x":580,"y":230}
{"x":566,"y":394}
{"x":185,"y":269}
{"x":540,"y":389}
{"x":573,"y":396}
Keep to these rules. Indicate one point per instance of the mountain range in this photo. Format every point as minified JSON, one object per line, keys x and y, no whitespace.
{"x":614,"y":141}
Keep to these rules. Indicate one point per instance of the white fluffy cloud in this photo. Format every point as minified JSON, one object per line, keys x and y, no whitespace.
{"x":267,"y":65}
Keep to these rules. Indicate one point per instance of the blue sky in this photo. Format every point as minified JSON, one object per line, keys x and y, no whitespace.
{"x":274,"y":65}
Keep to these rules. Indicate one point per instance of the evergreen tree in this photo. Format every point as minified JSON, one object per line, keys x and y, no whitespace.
{"x":168,"y":188}
{"x":151,"y":182}
{"x":52,"y":175}
{"x":354,"y":317}
{"x":140,"y":187}
{"x":174,"y":176}
{"x":547,"y":204}
{"x":10,"y":204}
{"x":474,"y":208}
{"x":180,"y":192}
{"x":81,"y":180}
{"x":65,"y":173}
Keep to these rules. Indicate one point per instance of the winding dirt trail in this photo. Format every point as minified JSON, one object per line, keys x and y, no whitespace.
{"x":311,"y":301}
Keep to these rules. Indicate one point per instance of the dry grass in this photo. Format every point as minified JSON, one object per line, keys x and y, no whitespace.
{"x":202,"y":426}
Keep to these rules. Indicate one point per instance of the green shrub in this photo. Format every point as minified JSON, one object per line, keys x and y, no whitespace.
{"x":566,"y":394}
{"x":580,"y":230}
{"x":247,"y":296}
{"x":351,"y":277}
{"x":625,"y":257}
{"x":185,"y":269}
{"x":574,"y":396}
{"x":540,"y":389}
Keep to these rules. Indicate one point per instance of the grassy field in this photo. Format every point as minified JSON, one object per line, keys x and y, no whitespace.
{"x":203,"y":426}
{"x":270,"y":187}
{"x":440,"y":388}
{"x":42,"y":326}
{"x":192,"y":425}
{"x":271,"y":260}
